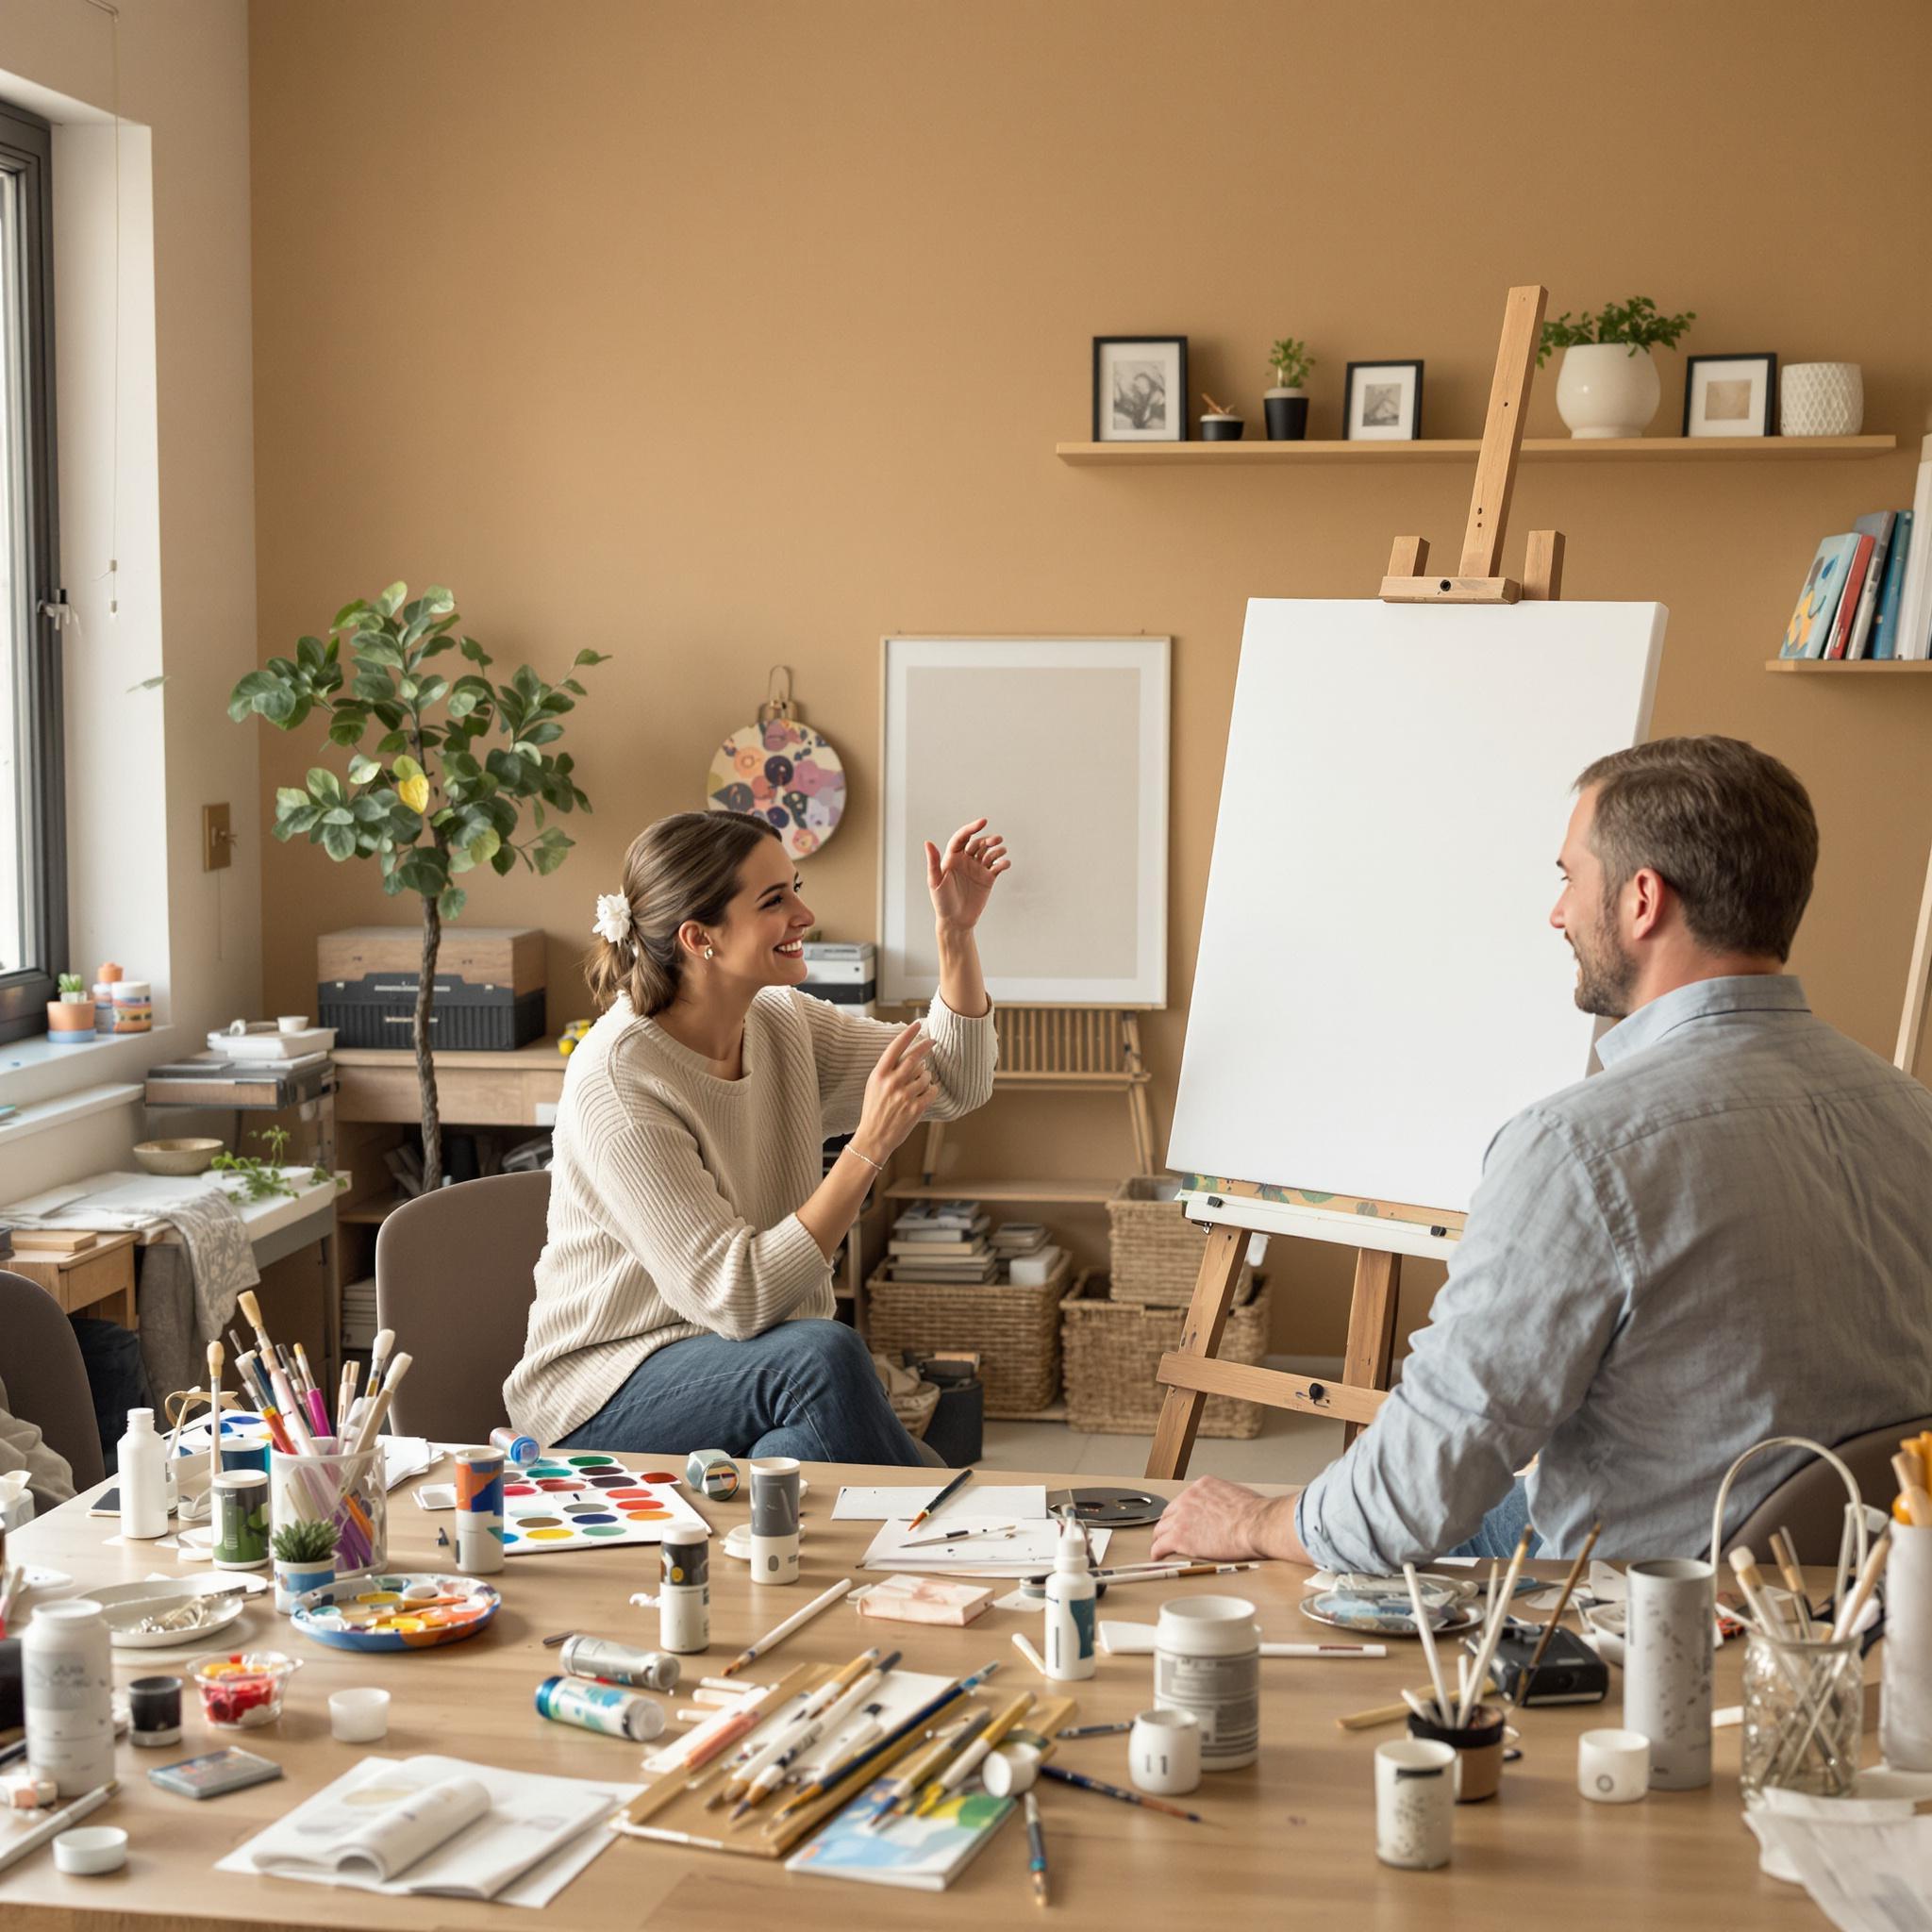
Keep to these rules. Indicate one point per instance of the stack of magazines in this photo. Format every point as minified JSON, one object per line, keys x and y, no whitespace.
{"x":942,"y":1241}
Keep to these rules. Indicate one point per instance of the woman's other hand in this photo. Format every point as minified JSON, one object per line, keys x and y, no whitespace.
{"x":898,"y":1091}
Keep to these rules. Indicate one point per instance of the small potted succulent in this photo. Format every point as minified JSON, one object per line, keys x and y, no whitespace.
{"x":1608,"y":385}
{"x":71,"y":1018}
{"x":305,"y":1553}
{"x":1287,"y":402}
{"x":1219,"y":425}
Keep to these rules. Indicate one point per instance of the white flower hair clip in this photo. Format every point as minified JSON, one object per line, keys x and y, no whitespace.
{"x":614,"y":919}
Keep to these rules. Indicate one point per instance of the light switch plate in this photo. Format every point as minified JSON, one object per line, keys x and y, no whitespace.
{"x":217,"y":840}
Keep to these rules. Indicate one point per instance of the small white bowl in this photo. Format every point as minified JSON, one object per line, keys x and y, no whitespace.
{"x":176,"y":1157}
{"x":91,"y":1849}
{"x":292,"y":1023}
{"x":358,"y":1717}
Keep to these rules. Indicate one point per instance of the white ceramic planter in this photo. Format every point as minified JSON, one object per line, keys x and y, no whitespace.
{"x":1602,"y":390}
{"x":1821,"y":399}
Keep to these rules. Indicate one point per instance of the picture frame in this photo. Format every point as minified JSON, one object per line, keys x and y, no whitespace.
{"x":1140,"y":389}
{"x":1382,"y":402}
{"x":1731,"y":395}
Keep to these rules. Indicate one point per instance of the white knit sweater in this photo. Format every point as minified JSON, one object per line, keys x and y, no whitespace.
{"x":674,"y":1193}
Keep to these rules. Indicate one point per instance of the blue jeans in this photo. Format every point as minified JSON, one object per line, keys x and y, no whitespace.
{"x":803,"y":1389}
{"x":1501,"y":1528}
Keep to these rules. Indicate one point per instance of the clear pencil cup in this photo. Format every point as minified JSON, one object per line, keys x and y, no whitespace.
{"x":1804,"y":1716}
{"x":346,"y":1490}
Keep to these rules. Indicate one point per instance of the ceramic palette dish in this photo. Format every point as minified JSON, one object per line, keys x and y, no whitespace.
{"x":408,"y":1612}
{"x":1387,"y":1615}
{"x":584,"y":1502}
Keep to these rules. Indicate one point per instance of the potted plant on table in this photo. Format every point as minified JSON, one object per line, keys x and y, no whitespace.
{"x":1607,"y":384}
{"x":1287,"y":402}
{"x":71,"y":1018}
{"x":304,"y":1555}
{"x":423,"y":803}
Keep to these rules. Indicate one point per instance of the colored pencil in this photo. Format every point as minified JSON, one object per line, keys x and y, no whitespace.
{"x":1101,"y":1789}
{"x":1036,"y":1842}
{"x":824,"y":1602}
{"x":958,"y":1482}
{"x":1543,"y":1642}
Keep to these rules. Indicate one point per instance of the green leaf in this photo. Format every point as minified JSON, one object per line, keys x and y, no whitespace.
{"x":339,"y":842}
{"x":388,"y":602}
{"x":591,"y":657}
{"x":429,"y":691}
{"x":451,"y":901}
{"x":545,"y":731}
{"x":391,"y":714}
{"x":571,"y":684}
{"x":309,"y":653}
{"x":362,"y":769}
{"x":460,"y":860}
{"x":476,"y":654}
{"x":483,"y":847}
{"x":348,"y":613}
{"x":407,"y":767}
{"x":374,"y":686}
{"x":391,"y":742}
{"x":504,"y":861}
{"x":369,"y":809}
{"x":289,"y":799}
{"x":350,"y":720}
{"x":278,"y":707}
{"x":323,"y":783}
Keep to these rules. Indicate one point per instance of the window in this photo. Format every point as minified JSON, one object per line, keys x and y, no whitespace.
{"x":33,"y":855}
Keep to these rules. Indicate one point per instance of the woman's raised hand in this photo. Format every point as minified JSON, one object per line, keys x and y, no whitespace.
{"x":898,"y":1091}
{"x":961,"y":878}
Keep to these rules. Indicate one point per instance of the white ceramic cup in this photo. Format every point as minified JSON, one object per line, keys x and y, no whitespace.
{"x":1164,"y":1753}
{"x":1415,"y":1803}
{"x":1613,"y":1767}
{"x":292,"y":1022}
{"x":359,"y":1716}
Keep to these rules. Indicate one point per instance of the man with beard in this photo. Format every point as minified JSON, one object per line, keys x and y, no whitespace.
{"x":1723,"y":1235}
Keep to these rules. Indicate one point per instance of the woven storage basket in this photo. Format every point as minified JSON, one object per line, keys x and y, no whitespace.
{"x":1015,"y":1330}
{"x":1110,"y":1350}
{"x":1153,"y":1248}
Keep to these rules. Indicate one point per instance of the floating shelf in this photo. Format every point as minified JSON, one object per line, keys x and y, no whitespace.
{"x":1461,"y":449}
{"x":1071,"y":1192}
{"x":1838,"y":667}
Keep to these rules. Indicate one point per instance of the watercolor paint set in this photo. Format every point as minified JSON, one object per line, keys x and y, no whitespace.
{"x":582,"y":1502}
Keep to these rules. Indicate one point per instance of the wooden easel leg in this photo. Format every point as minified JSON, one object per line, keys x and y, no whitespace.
{"x":1180,"y":1410}
{"x":1543,"y":567}
{"x":1410,"y":557}
{"x":1371,"y":1325}
{"x":1911,"y":1023}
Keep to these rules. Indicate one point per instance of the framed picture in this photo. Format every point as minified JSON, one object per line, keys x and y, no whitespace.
{"x":1731,"y":395}
{"x":1140,"y":389}
{"x":1383,"y":401}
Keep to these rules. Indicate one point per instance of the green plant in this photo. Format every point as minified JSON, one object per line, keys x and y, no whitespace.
{"x":1634,"y":322}
{"x":1292,"y":362}
{"x":262,"y":1181}
{"x":424,"y":804}
{"x":304,"y":1542}
{"x":72,"y":987}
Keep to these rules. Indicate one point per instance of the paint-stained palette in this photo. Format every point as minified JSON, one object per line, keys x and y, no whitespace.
{"x":406,"y":1612}
{"x":570,"y":1502}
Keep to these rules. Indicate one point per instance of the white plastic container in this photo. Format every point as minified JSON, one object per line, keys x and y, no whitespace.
{"x":1164,"y":1753}
{"x":1071,"y":1593}
{"x":1904,"y":1717}
{"x":68,"y":1687}
{"x":684,"y":1595}
{"x":144,"y":1478}
{"x":1207,"y":1659}
{"x":1667,"y":1653}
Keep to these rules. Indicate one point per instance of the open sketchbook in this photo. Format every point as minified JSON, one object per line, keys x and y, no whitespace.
{"x":1005,"y":1547}
{"x":440,"y":1825}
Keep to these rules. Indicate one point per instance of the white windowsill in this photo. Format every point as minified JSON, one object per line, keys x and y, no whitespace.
{"x":43,"y":1114}
{"x":33,"y":1070}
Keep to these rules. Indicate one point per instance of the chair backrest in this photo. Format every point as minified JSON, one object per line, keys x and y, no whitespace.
{"x":453,"y":1278}
{"x":1811,"y":1504}
{"x":46,"y":1381}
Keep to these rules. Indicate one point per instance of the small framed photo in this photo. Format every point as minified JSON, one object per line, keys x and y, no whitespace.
{"x":1140,"y":389}
{"x":1731,"y":395}
{"x":1383,"y":401}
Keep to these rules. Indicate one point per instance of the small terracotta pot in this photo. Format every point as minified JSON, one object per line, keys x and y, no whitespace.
{"x":70,"y":1020}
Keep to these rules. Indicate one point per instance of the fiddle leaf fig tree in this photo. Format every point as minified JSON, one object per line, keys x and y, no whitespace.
{"x":444,"y":789}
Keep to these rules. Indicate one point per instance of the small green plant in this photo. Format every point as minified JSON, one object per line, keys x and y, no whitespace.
{"x":304,"y":1542}
{"x":1292,"y":362}
{"x":1635,"y":322}
{"x":262,"y":1181}
{"x":72,"y":987}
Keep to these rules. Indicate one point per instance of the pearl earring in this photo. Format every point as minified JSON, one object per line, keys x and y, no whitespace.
{"x":710,"y":953}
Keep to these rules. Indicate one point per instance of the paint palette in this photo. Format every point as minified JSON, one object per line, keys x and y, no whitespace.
{"x":571,"y":1502}
{"x":406,"y":1612}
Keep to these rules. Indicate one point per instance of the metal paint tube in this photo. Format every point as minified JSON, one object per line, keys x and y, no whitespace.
{"x":620,"y":1663}
{"x":600,"y":1708}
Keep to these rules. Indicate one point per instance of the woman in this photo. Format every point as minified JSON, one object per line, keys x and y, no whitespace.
{"x":684,"y":1297}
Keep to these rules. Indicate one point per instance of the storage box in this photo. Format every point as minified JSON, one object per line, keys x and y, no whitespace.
{"x":1110,"y":1349}
{"x":488,"y":994}
{"x":1153,"y":1250}
{"x":1015,"y":1331}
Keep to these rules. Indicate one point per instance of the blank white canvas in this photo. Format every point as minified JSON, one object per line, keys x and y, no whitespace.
{"x":1062,"y":744}
{"x":1378,"y":987}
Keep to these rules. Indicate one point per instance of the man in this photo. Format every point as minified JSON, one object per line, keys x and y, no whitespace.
{"x":1725,"y":1234}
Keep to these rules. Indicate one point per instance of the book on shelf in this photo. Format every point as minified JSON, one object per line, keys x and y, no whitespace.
{"x":211,"y":1079}
{"x":1915,"y":593}
{"x":1810,"y":629}
{"x":1884,"y":624}
{"x":1846,"y":613}
{"x":1878,"y":524}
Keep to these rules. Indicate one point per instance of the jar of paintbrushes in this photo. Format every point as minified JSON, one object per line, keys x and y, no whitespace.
{"x":344,"y":1491}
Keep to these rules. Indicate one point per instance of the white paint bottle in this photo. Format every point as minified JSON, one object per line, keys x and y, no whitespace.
{"x":1071,"y":1594}
{"x":1207,"y":1660}
{"x":68,"y":1680}
{"x":143,"y":1477}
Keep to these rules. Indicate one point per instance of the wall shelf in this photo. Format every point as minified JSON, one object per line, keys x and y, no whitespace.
{"x":1839,"y":667}
{"x":1461,"y":449}
{"x":1093,"y":1193}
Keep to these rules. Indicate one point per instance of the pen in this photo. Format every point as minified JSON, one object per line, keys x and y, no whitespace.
{"x":778,"y":1635}
{"x":1124,"y":1797}
{"x":1037,"y":1839}
{"x":957,"y":1481}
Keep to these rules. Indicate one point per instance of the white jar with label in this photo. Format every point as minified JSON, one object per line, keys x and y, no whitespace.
{"x":67,"y":1683}
{"x":1207,"y":1660}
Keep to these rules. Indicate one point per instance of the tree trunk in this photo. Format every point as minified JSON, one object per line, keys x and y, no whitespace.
{"x":426,"y":1065}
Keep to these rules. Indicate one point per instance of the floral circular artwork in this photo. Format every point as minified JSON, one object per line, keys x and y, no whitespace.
{"x":785,"y":772}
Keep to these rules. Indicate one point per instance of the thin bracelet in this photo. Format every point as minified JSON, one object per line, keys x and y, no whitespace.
{"x":866,"y":1158}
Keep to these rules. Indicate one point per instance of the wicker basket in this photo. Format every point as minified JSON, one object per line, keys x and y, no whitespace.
{"x":1015,"y":1330}
{"x":1153,"y":1248}
{"x":1111,"y":1350}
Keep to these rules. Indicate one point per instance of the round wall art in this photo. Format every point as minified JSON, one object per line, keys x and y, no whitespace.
{"x":781,"y":770}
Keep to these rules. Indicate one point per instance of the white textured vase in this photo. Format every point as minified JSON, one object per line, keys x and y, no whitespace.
{"x":1602,"y":390}
{"x":1821,"y":399}
{"x":1667,"y":1651}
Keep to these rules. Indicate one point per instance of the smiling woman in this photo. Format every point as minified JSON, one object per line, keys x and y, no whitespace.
{"x":684,"y":1294}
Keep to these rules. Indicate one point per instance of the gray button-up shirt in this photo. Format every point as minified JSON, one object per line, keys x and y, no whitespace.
{"x":1725,"y":1234}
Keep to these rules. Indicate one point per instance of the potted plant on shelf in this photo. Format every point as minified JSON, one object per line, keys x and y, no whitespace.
{"x":71,"y":1017}
{"x":424,"y":804}
{"x":1287,"y":402}
{"x":305,"y":1553}
{"x":1607,"y":384}
{"x":1219,"y":425}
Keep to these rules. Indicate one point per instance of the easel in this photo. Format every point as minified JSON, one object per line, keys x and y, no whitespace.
{"x":1191,"y":1373}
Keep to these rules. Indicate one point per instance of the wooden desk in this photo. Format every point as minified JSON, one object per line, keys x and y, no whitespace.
{"x":1290,"y":1841}
{"x":99,"y":1280}
{"x":473,"y":1090}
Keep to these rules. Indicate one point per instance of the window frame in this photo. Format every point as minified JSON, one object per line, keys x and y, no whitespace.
{"x":27,"y":147}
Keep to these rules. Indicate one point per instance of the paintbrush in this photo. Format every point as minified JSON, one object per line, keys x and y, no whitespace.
{"x":1861,"y":1590}
{"x":968,"y":1761}
{"x":214,"y":1422}
{"x":1492,"y":1634}
{"x":1786,"y":1558}
{"x":1543,"y":1642}
{"x":1446,"y":1711}
{"x":902,"y":1787}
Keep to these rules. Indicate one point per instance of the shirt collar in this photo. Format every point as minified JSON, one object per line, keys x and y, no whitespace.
{"x":1703,"y":999}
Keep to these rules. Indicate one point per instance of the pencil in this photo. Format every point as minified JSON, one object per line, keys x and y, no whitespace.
{"x":1036,"y":1841}
{"x":957,"y":1481}
{"x":752,"y":1652}
{"x":1543,"y":1642}
{"x":1103,"y":1788}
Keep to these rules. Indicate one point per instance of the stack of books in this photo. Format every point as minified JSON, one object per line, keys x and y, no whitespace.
{"x":358,"y":1314}
{"x":1868,"y":592}
{"x":1012,"y":1238}
{"x":942,"y":1241}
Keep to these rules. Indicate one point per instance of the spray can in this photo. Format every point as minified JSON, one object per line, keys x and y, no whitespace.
{"x":774,"y":1520}
{"x":600,"y":1708}
{"x":684,"y":1597}
{"x":521,"y":1450}
{"x":1071,"y":1594}
{"x":479,"y":1511}
{"x":620,"y":1663}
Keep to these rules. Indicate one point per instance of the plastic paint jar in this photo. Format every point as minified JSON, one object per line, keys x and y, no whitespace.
{"x":1207,"y":1659}
{"x":684,"y":1595}
{"x":600,"y":1708}
{"x":66,"y":1674}
{"x":134,"y":1007}
{"x":521,"y":1450}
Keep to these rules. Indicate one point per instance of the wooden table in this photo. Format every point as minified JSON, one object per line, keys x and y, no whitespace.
{"x":100,"y":1278}
{"x":1290,"y":1840}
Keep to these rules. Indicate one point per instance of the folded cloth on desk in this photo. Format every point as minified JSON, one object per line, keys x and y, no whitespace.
{"x":1866,"y":1862}
{"x":187,"y":1292}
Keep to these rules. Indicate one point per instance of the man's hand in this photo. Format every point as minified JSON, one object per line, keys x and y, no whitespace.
{"x":1215,"y":1519}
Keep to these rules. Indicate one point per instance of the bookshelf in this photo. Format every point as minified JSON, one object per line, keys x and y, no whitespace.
{"x":1877,"y":667}
{"x":1440,"y":449}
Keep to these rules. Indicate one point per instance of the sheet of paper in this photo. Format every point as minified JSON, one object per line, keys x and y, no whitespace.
{"x":1865,"y":1876}
{"x":1026,"y":1552}
{"x":1025,"y":1501}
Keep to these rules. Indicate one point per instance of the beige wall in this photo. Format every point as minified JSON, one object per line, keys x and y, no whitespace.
{"x":721,"y":337}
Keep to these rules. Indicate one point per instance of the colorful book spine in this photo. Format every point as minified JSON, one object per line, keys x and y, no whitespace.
{"x":1915,"y":600}
{"x":1847,"y":610}
{"x":1878,"y":526}
{"x":1810,"y":629}
{"x":1885,"y":625}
